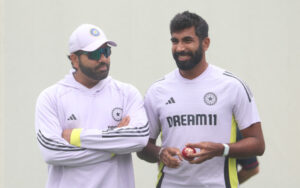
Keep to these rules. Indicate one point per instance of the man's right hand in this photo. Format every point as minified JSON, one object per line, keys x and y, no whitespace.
{"x":167,"y":156}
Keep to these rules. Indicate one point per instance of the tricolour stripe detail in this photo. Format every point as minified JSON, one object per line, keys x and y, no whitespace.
{"x":160,"y":175}
{"x":112,"y":136}
{"x":54,"y":145}
{"x":126,"y":129}
{"x":127,"y":132}
{"x":248,"y":92}
{"x":230,"y":169}
{"x":75,"y":137}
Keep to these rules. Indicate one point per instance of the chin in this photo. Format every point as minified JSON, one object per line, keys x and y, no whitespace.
{"x":184,"y":65}
{"x":102,"y":77}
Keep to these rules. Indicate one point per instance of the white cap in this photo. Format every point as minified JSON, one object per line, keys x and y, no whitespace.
{"x":88,"y":38}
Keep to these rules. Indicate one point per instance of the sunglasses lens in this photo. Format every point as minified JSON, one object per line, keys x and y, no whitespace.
{"x":96,"y":55}
{"x":107,"y":52}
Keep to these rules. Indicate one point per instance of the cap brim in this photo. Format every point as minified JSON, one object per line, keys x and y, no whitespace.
{"x":112,"y":43}
{"x":97,"y":44}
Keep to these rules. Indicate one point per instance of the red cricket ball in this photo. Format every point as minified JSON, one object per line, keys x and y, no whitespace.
{"x":187,"y":150}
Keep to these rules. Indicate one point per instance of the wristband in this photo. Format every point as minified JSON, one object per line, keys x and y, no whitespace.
{"x":75,"y":137}
{"x":226,"y":150}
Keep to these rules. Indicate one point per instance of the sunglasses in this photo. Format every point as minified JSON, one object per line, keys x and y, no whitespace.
{"x":96,"y":55}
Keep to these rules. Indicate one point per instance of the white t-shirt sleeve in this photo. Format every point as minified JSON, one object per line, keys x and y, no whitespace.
{"x":127,"y":139}
{"x":245,"y":110}
{"x":56,"y":150}
{"x":152,"y":113}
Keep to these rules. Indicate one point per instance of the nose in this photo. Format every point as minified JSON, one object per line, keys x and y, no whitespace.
{"x":179,"y":47}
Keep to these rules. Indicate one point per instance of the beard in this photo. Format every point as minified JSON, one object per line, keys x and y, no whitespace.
{"x":93,"y":73}
{"x":196,"y":57}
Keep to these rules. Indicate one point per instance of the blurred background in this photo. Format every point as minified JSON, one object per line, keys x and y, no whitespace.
{"x":257,"y":40}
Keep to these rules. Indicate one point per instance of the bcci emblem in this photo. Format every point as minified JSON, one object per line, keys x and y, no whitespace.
{"x":117,"y":114}
{"x":210,"y":98}
{"x":95,"y":32}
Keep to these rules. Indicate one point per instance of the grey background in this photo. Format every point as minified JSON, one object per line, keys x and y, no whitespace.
{"x":257,"y":40}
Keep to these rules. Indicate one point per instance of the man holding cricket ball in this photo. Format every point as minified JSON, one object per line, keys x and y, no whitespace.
{"x":198,"y":107}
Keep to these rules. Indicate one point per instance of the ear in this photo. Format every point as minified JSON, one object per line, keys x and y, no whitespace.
{"x":74,"y":61}
{"x":205,"y":43}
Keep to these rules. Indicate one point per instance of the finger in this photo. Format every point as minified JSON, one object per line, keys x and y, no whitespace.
{"x":170,"y":161}
{"x":198,"y":160}
{"x":197,"y":154}
{"x":173,"y":163}
{"x":124,"y":122}
{"x":167,"y":162}
{"x":127,"y":120}
{"x":193,"y":145}
{"x":173,"y":151}
{"x":121,"y":123}
{"x":198,"y":157}
{"x":176,"y":152}
{"x":180,"y":156}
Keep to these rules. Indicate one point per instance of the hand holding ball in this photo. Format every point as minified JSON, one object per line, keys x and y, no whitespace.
{"x":186,"y":151}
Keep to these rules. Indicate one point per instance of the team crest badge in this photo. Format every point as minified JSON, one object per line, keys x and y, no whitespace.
{"x":210,"y":98}
{"x":95,"y":32}
{"x":117,"y":114}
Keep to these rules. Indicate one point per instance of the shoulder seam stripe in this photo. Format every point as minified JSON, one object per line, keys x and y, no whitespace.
{"x":231,"y":75}
{"x":159,"y":80}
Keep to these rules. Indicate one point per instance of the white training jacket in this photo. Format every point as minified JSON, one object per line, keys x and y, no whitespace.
{"x":100,"y":152}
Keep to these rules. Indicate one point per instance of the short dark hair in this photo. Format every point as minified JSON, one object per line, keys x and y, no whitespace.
{"x":186,"y":20}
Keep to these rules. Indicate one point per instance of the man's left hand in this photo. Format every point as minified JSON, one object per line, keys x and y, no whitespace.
{"x":66,"y":134}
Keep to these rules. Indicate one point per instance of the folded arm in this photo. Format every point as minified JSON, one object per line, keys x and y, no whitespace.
{"x":55,"y":150}
{"x":130,"y":136}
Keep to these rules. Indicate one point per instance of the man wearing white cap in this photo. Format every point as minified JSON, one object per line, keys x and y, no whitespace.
{"x":88,"y":124}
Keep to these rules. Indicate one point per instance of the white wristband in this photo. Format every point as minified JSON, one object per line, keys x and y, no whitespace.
{"x":226,"y":150}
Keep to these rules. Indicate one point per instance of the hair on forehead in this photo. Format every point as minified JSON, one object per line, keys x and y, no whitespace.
{"x":186,"y":20}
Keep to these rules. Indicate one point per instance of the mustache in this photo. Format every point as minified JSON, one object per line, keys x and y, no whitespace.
{"x":100,"y":65}
{"x":176,"y":54}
